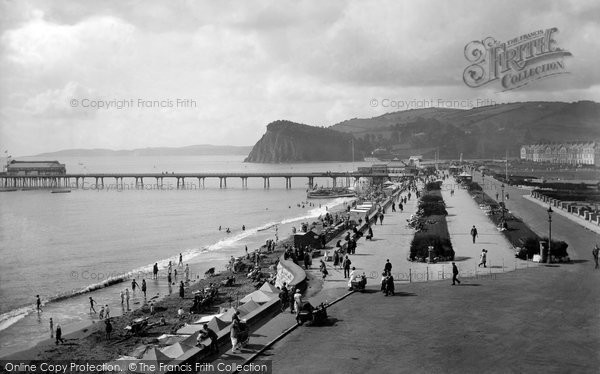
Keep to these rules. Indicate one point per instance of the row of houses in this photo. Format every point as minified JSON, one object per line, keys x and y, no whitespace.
{"x":575,"y":153}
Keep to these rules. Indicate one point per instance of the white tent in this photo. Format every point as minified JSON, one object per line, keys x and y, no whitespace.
{"x":175,"y":350}
{"x":268,"y":287}
{"x":248,"y":307}
{"x":206,"y":319}
{"x":260,"y":297}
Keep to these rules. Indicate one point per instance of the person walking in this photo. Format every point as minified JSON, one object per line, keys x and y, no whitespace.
{"x":346,"y":265}
{"x":323,"y":269}
{"x":134,"y":284}
{"x":482,"y":258}
{"x":106,"y":311}
{"x":59,"y":334}
{"x":233,"y":333}
{"x":122,"y":294}
{"x":393,"y":206}
{"x":454,"y":274}
{"x":595,"y":253}
{"x":51,"y":328}
{"x":38,"y":303}
{"x":381,"y":218}
{"x":127,"y":297}
{"x":388,"y":267}
{"x":92,"y":302}
{"x":284,"y":297}
{"x":180,"y":260}
{"x":187,"y":272}
{"x":144,"y":287}
{"x":297,"y":301}
{"x":474,"y":233}
{"x":401,"y":206}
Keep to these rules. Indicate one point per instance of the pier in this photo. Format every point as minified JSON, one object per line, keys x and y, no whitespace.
{"x":99,"y":180}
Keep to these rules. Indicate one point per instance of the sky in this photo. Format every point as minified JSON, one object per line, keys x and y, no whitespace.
{"x":133,"y":74}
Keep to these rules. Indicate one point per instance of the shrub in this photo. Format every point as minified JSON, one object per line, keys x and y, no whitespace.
{"x":433,"y":209}
{"x":531,"y":247}
{"x":442,"y":247}
{"x":429,"y":198}
{"x":431,"y":186}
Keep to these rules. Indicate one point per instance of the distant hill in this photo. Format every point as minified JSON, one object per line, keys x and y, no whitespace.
{"x":287,"y":141}
{"x":192,"y":150}
{"x":484,"y":132}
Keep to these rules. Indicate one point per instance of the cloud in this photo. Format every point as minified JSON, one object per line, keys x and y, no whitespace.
{"x":246,"y":64}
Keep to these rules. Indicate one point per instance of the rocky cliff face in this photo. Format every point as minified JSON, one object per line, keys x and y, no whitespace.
{"x":287,"y":141}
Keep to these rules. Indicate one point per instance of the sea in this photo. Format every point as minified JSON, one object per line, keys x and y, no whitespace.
{"x":66,"y":247}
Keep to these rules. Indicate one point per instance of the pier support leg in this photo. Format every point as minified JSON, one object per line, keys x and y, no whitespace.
{"x":177,"y":182}
{"x":311,"y":182}
{"x":334,"y":181}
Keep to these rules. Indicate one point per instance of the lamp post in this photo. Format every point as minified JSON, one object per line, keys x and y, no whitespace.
{"x":550,"y":211}
{"x":502,"y":186}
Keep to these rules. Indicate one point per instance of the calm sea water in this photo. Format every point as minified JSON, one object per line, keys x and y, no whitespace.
{"x":58,"y":245}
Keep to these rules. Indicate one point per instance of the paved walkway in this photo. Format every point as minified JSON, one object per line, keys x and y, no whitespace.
{"x":539,"y":320}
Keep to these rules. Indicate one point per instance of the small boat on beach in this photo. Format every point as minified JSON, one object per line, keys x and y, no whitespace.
{"x":61,"y":190}
{"x":330,"y":193}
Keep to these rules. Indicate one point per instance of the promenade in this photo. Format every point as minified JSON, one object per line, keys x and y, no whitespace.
{"x":544,"y":318}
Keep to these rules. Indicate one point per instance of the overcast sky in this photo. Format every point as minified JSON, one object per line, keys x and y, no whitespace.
{"x":244,"y":64}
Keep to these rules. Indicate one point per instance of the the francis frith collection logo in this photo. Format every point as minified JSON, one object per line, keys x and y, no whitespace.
{"x":516,"y":62}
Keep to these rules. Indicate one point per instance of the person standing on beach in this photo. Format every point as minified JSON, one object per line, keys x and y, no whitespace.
{"x":346,"y":265}
{"x":108,"y":328}
{"x":181,"y":290}
{"x":127,"y":297}
{"x":393,"y":206}
{"x":144,"y":287}
{"x":595,"y":253}
{"x":92,"y":302}
{"x":122,"y":294}
{"x":474,"y":233}
{"x":106,"y":311}
{"x":181,"y":259}
{"x":51,"y":328}
{"x":297,"y":301}
{"x":155,"y":271}
{"x":38,"y":303}
{"x":170,"y":268}
{"x":187,"y":272}
{"x":454,"y":274}
{"x":59,"y":334}
{"x":134,"y":284}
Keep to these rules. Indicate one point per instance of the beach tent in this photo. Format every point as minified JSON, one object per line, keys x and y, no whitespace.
{"x":139,"y":351}
{"x":175,"y":350}
{"x":189,"y":329}
{"x":206,"y":319}
{"x":268,"y":287}
{"x":227,"y":314}
{"x":168,"y":339}
{"x":248,"y":306}
{"x":217,"y":324}
{"x":192,"y":339}
{"x":259,"y":297}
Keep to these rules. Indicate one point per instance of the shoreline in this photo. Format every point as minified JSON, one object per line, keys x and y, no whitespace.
{"x":91,"y":334}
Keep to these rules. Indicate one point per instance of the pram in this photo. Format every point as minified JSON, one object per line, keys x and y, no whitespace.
{"x":359,"y":284}
{"x":243,"y":334}
{"x":315,"y":316}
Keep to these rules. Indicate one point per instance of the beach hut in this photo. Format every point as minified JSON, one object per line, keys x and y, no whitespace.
{"x":259,"y":296}
{"x":176,"y":350}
